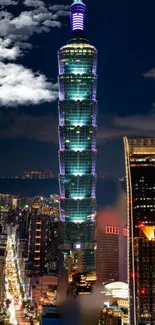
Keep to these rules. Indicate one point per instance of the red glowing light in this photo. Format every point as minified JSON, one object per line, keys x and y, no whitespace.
{"x":112,"y":230}
{"x":131,"y":202}
{"x":141,"y":224}
{"x":95,"y":150}
{"x":61,"y":198}
{"x":133,"y":275}
{"x":143,"y":291}
{"x":61,"y":150}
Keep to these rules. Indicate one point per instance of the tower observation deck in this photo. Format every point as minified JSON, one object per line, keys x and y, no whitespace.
{"x":77,"y":144}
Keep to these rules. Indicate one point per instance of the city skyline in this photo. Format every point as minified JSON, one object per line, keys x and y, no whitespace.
{"x":65,"y":256}
{"x":125,"y":90}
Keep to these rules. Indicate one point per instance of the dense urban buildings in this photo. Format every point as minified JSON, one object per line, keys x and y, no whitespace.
{"x":3,"y":241}
{"x":46,"y":174}
{"x":43,"y":242}
{"x":28,"y":255}
{"x":77,"y":141}
{"x":115,"y":309}
{"x":140,"y":173}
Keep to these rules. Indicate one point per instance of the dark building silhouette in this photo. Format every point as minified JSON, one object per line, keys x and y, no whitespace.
{"x":140,"y":174}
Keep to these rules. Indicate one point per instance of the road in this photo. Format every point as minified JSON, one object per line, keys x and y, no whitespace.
{"x":12,"y":287}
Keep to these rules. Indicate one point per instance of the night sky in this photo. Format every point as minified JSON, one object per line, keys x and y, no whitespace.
{"x":31,"y":33}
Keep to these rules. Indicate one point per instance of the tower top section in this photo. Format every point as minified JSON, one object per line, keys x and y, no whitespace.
{"x":77,"y":16}
{"x":77,"y":1}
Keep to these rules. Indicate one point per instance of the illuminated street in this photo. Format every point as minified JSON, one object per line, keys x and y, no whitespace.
{"x":14,"y":294}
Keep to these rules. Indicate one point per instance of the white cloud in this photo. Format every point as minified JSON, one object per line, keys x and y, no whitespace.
{"x":8,"y":52}
{"x":150,"y":74}
{"x":39,"y":18}
{"x":50,"y":23}
{"x":59,"y":7}
{"x":25,"y":19}
{"x":34,"y":3}
{"x":62,"y":13}
{"x":24,"y":45}
{"x":20,"y":85}
{"x":8,"y":3}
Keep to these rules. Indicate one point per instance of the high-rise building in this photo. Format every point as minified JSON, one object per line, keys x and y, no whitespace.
{"x":43,"y":243}
{"x":140,"y":175}
{"x":145,"y":274}
{"x":42,"y":258}
{"x":77,"y":143}
{"x":108,"y":254}
{"x":123,"y":254}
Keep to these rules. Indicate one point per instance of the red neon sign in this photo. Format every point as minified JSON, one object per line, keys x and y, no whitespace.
{"x":112,"y":230}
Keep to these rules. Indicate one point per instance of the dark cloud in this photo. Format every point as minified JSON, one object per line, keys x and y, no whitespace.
{"x":43,"y":128}
{"x":21,"y":125}
{"x":117,"y":126}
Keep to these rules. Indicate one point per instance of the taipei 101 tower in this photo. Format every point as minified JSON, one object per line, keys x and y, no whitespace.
{"x":77,"y":145}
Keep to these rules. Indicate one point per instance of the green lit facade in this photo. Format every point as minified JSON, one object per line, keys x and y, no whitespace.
{"x":77,"y":139}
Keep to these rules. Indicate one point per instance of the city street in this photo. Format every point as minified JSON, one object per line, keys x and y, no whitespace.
{"x":13,"y":287}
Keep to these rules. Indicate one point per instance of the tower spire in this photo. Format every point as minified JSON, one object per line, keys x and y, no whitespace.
{"x":77,"y":15}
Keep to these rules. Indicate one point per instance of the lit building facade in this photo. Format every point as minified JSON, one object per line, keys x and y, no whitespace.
{"x":145,"y":275}
{"x":107,"y":258}
{"x":115,"y":310}
{"x":42,"y":268}
{"x":43,"y":242}
{"x":77,"y":142}
{"x":110,"y":316}
{"x":123,"y":254}
{"x":3,"y":241}
{"x":140,"y":174}
{"x":113,"y":315}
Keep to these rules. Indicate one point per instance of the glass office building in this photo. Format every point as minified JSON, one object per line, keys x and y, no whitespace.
{"x":77,"y":140}
{"x":140,"y":174}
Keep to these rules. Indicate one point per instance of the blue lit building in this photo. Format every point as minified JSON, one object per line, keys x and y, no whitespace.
{"x":77,"y":143}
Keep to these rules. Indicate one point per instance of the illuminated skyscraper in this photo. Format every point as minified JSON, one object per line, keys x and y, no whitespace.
{"x":140,"y":173}
{"x":77,"y":142}
{"x":145,"y":275}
